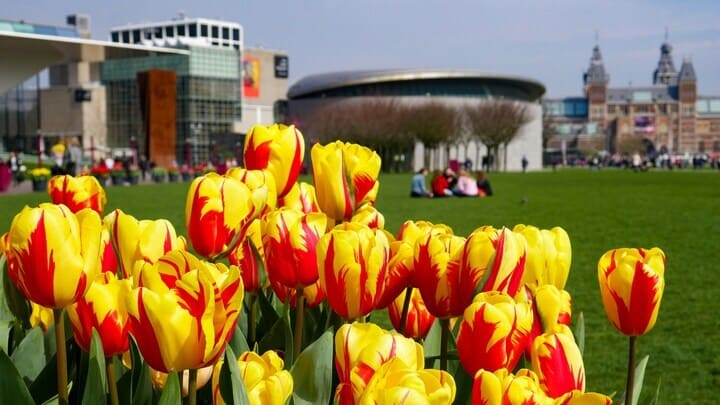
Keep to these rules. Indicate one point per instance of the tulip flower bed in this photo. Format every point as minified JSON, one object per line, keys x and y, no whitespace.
{"x":599,"y":211}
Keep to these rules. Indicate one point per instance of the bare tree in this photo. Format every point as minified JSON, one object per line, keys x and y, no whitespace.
{"x":431,"y":123}
{"x":630,"y":144}
{"x":495,"y":123}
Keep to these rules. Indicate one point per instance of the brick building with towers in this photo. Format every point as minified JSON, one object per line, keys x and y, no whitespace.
{"x":667,"y":116}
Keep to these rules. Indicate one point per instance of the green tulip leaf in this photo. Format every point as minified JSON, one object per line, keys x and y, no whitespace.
{"x":140,"y":382}
{"x":238,"y":342}
{"x":29,"y":356}
{"x":267,"y":315}
{"x":463,"y":386}
{"x":5,"y":328}
{"x":580,"y":333}
{"x":12,"y":387}
{"x":95,"y":383}
{"x":312,"y":372}
{"x":5,"y":313}
{"x":171,"y":394}
{"x":44,"y":387}
{"x":639,"y":377}
{"x":16,"y":302}
{"x":232,"y":386}
{"x":431,"y":345}
{"x":279,"y":338}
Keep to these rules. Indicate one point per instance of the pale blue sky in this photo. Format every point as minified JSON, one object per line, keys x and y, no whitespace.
{"x":550,"y":41}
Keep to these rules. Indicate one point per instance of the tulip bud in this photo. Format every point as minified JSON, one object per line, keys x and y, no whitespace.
{"x":396,"y":383}
{"x":558,"y":362}
{"x":301,"y":197}
{"x":53,"y":255}
{"x":266,"y":382}
{"x":631,"y":285}
{"x":278,"y":149}
{"x":501,"y":252}
{"x":418,"y":321}
{"x":494,"y":332}
{"x":548,"y":256}
{"x":77,"y":193}
{"x":437,"y":274}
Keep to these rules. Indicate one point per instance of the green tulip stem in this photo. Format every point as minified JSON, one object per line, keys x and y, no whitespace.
{"x":252,"y":322}
{"x":445,"y":328}
{"x":405,"y":310}
{"x":192,"y":387}
{"x":631,"y":370}
{"x":62,"y":380}
{"x":299,"y":320}
{"x":112,"y":387}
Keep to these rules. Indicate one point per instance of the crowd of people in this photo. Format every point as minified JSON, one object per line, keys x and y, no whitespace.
{"x":448,"y":183}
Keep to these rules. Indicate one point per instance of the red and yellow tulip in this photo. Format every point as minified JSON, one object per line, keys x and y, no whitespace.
{"x":53,"y":255}
{"x":345,"y":177}
{"x":77,"y":193}
{"x":501,"y":252}
{"x":262,"y":185}
{"x":142,"y":241}
{"x":436,"y":265}
{"x":41,"y":316}
{"x":301,"y":197}
{"x":631,"y":285}
{"x":184,"y":311}
{"x":558,"y":362}
{"x":503,"y":388}
{"x":553,"y":306}
{"x":396,"y":383}
{"x":494,"y":332}
{"x":109,"y":259}
{"x":549,"y":255}
{"x":278,"y":149}
{"x":217,"y":213}
{"x":352,"y":263}
{"x":419,"y":319}
{"x":361,"y":349}
{"x":103,"y":308}
{"x":583,"y":398}
{"x":289,"y":240}
{"x":370,"y":216}
{"x":246,"y":259}
{"x":266,"y":382}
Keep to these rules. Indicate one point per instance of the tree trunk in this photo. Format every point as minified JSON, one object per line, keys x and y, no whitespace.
{"x":426,"y":157}
{"x":477,"y":156}
{"x":505,"y":157}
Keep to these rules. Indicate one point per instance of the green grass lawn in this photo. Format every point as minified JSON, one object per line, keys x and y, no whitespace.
{"x":676,"y":211}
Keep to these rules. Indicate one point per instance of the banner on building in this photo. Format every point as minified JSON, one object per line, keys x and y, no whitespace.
{"x":251,"y":77}
{"x":645,"y":125}
{"x":281,"y":67}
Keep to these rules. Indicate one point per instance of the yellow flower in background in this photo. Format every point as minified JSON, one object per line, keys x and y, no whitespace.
{"x":262,"y":185}
{"x":631,"y":285}
{"x":352,"y":263}
{"x":41,"y":316}
{"x":396,"y":383}
{"x":266,"y":381}
{"x":345,"y":177}
{"x":277,"y":148}
{"x":549,"y":255}
{"x":360,"y":351}
{"x":301,"y":197}
{"x":77,"y":193}
{"x":370,"y":216}
{"x":52,"y":254}
{"x":218,"y":211}
{"x":141,"y":241}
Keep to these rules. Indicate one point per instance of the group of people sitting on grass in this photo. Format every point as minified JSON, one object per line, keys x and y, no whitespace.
{"x":448,"y":183}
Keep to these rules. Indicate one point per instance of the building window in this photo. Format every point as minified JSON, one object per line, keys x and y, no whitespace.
{"x":203,"y":31}
{"x":136,"y":36}
{"x":192,"y":30}
{"x":226,"y":33}
{"x":662,"y":109}
{"x":236,"y":34}
{"x":158,"y":32}
{"x":181,"y":30}
{"x":701,"y":146}
{"x":642,"y":109}
{"x":169,"y":31}
{"x":716,"y":146}
{"x":612,"y":109}
{"x":147,"y":34}
{"x":126,"y":37}
{"x":115,"y":37}
{"x":214,"y":31}
{"x":687,"y":110}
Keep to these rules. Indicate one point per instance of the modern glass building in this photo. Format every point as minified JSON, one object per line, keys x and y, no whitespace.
{"x":200,"y":31}
{"x":208,"y":96}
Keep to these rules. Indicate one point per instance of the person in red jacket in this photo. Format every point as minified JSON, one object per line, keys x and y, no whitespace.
{"x":440,"y":186}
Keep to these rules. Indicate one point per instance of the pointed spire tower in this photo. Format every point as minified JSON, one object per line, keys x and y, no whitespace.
{"x":596,"y":81}
{"x":665,"y":73}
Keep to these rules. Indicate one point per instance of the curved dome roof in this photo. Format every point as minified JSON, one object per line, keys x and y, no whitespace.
{"x":320,"y":83}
